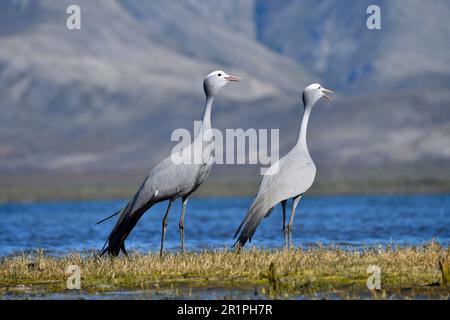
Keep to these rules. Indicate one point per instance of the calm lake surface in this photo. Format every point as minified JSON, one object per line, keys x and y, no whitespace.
{"x":356,"y":221}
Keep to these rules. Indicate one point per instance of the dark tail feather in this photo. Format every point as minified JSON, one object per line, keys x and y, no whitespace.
{"x":104,"y":248}
{"x":260,"y":208}
{"x":128,"y":218}
{"x":113,"y":215}
{"x":116,"y":239}
{"x":240,"y":227}
{"x":126,"y":222}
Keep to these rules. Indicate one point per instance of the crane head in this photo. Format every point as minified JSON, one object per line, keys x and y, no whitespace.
{"x":314,"y":92}
{"x":216,"y":80}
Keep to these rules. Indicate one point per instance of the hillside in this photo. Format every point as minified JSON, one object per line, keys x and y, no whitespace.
{"x":105,"y":99}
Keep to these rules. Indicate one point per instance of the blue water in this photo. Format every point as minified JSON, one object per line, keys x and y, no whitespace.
{"x":60,"y":227}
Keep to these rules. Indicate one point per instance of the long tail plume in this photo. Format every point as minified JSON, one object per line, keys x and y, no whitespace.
{"x":107,"y":218}
{"x":261,"y":207}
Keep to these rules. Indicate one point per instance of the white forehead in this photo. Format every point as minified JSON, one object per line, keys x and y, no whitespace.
{"x":215,"y":73}
{"x":313,"y":86}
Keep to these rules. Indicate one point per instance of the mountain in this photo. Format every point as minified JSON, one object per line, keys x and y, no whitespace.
{"x":107,"y":97}
{"x":117,"y":78}
{"x":332,"y":41}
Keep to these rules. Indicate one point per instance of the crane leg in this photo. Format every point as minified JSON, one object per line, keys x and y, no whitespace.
{"x":164,"y":227}
{"x":295,"y":202}
{"x":181,"y":223}
{"x":283,"y":205}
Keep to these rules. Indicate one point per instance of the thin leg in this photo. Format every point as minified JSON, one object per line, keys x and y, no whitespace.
{"x":295,"y":202}
{"x":164,"y":227}
{"x":283,"y":205}
{"x":181,"y":223}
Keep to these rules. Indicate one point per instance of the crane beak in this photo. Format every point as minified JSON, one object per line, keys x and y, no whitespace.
{"x":232,"y":78}
{"x":325,"y":91}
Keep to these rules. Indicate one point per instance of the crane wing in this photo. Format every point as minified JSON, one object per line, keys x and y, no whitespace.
{"x":294,"y":176}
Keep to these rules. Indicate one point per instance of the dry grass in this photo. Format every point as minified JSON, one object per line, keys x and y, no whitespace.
{"x":328,"y":271}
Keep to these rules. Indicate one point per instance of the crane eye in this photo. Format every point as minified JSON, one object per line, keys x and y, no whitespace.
{"x":219,"y":75}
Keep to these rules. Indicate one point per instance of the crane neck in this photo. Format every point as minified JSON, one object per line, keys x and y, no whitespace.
{"x":301,"y":142}
{"x":206,"y":123}
{"x":205,"y":128}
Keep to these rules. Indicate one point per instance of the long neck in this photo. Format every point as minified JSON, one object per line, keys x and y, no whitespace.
{"x":206,"y":124}
{"x":301,"y":142}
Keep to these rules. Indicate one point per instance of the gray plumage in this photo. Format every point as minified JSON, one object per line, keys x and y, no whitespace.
{"x":288,"y":178}
{"x":171,"y":179}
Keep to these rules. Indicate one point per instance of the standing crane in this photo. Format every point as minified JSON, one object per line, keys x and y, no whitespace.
{"x":170,"y":180}
{"x":288,"y":178}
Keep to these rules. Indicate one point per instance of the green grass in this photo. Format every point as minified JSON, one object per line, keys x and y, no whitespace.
{"x":406,"y":272}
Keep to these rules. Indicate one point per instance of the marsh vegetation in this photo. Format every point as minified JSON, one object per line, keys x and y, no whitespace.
{"x":319,"y":272}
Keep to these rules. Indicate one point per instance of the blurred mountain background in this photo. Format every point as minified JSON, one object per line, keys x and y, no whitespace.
{"x":87,"y":113}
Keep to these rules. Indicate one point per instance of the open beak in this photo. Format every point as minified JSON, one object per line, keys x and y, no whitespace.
{"x":232,"y":78}
{"x":325,"y":92}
